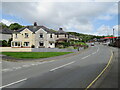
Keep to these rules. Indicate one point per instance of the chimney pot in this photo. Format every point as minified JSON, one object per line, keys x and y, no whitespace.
{"x":35,"y":23}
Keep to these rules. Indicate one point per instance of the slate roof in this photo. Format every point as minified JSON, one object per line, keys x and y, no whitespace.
{"x":5,"y":31}
{"x":35,"y":28}
{"x":60,"y":31}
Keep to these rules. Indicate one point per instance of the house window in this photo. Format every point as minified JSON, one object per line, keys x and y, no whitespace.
{"x":57,"y":36}
{"x":50,"y":43}
{"x":65,"y":35}
{"x":26,"y":43}
{"x":50,"y":35}
{"x":41,"y":35}
{"x":41,"y":43}
{"x":16,"y":44}
{"x":15,"y":35}
{"x":26,"y":35}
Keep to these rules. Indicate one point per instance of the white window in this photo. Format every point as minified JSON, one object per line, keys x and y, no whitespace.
{"x":41,"y":44}
{"x":26,"y":43}
{"x":50,"y":35}
{"x":16,"y":36}
{"x":26,"y":35}
{"x":41,"y":35}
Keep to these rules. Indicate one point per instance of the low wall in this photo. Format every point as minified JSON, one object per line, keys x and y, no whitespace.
{"x":51,"y":50}
{"x":9,"y":49}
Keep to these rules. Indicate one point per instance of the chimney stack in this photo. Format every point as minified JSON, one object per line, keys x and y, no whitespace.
{"x":35,"y":23}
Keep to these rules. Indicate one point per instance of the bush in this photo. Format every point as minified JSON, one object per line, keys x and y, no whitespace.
{"x":33,"y":46}
{"x":4,"y":43}
{"x":9,"y":42}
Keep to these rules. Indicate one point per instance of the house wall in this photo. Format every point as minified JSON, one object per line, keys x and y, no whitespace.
{"x":46,"y":39}
{"x":5,"y":36}
{"x":51,"y":40}
{"x":61,"y":36}
{"x":21,"y":37}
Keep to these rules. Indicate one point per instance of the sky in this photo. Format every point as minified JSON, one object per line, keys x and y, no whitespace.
{"x":95,"y":17}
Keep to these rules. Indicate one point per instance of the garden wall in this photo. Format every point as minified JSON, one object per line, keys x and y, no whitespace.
{"x":9,"y":49}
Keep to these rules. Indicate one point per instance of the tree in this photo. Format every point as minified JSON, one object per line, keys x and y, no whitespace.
{"x":9,"y":42}
{"x":15,"y":26}
{"x":3,"y":25}
{"x":4,"y":43}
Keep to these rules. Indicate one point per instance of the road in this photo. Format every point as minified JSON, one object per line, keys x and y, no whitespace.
{"x":76,"y":71}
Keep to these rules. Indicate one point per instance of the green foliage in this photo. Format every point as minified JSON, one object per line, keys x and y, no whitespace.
{"x":33,"y":46}
{"x":53,"y":30}
{"x":64,"y":44}
{"x":85,"y":37}
{"x":3,"y":25}
{"x":15,"y":26}
{"x":4,"y":43}
{"x":9,"y":42}
{"x":34,"y":55}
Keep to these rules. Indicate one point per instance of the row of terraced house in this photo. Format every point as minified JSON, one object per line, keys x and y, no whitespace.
{"x":39,"y":37}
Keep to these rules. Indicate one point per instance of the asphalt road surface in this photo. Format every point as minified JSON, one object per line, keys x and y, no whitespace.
{"x":76,"y":71}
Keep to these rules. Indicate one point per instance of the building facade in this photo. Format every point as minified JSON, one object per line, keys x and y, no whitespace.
{"x":38,"y":36}
{"x":5,"y":34}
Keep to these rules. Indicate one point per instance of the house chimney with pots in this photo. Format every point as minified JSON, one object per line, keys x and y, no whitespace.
{"x":35,"y":23}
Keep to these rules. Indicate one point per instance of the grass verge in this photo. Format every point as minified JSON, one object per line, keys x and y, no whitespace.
{"x":34,"y":55}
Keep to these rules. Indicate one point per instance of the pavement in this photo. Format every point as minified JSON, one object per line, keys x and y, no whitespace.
{"x":76,"y":71}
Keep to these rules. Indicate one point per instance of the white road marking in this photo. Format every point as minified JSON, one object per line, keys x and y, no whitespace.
{"x":62,"y":66}
{"x":13,"y":83}
{"x":5,"y":70}
{"x":17,"y":67}
{"x":26,"y":65}
{"x":32,"y":64}
{"x":86,"y":56}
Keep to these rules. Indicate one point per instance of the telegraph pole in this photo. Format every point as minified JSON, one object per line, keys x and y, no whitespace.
{"x":113,"y":35}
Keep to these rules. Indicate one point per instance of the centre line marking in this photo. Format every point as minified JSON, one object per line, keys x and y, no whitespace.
{"x":13,"y":83}
{"x":26,"y":66}
{"x":62,"y":66}
{"x":86,"y":56}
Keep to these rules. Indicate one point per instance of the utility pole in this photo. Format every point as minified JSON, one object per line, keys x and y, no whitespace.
{"x":113,"y":35}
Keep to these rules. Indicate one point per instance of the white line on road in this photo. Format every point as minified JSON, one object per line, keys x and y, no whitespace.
{"x":62,"y":66}
{"x":26,"y":65}
{"x":86,"y":56}
{"x":5,"y":70}
{"x":13,"y":83}
{"x":17,"y":67}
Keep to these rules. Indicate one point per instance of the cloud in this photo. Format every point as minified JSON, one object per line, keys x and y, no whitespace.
{"x":107,"y":17}
{"x":69,"y":15}
{"x":6,"y":22}
{"x":107,"y":30}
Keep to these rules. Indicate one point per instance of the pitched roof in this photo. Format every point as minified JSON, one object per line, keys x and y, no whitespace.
{"x":5,"y":31}
{"x":35,"y":28}
{"x":60,"y":31}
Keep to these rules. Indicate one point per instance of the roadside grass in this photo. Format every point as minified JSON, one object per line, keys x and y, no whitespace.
{"x":34,"y":55}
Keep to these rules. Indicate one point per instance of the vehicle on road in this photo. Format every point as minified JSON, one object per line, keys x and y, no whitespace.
{"x":92,"y":44}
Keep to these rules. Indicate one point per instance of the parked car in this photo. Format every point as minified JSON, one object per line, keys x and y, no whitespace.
{"x":92,"y":44}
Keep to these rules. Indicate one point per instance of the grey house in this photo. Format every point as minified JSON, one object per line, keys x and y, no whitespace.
{"x":5,"y":34}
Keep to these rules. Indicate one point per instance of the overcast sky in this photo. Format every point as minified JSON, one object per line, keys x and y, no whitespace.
{"x":90,"y":16}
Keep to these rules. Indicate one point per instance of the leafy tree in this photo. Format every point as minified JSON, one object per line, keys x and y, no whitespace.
{"x":3,"y":25}
{"x":9,"y":42}
{"x":15,"y":26}
{"x":4,"y":43}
